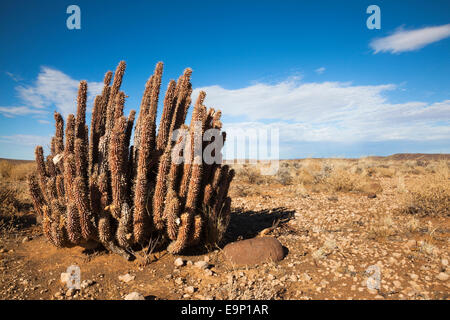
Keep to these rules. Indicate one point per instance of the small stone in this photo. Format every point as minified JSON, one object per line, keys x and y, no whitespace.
{"x":306,"y":277}
{"x":178,"y":262}
{"x":413,"y":276}
{"x":442,"y":276}
{"x":392,"y":260}
{"x":70,"y":292}
{"x":208,"y":272}
{"x":397,"y":284}
{"x":206,"y":258}
{"x":134,"y":296}
{"x":189,"y":289}
{"x":127,"y":278}
{"x":379,"y":297}
{"x":371,"y":195}
{"x":26,"y":239}
{"x":189,"y":263}
{"x":86,"y":283}
{"x":65,"y":277}
{"x":179,"y":281}
{"x":411,"y":243}
{"x":372,"y":291}
{"x":201,"y":264}
{"x":2,"y":250}
{"x":444,"y":262}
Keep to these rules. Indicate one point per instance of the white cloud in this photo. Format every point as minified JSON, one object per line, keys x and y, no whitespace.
{"x":320,"y":70}
{"x":330,"y":111}
{"x":25,"y":139}
{"x":54,"y":89}
{"x":15,"y":77}
{"x":11,"y":112}
{"x":44,"y":121}
{"x":410,"y":40}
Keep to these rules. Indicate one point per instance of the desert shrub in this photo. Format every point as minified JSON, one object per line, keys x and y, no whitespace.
{"x":20,"y":172}
{"x":9,"y":204}
{"x":303,"y":176}
{"x":384,"y":171}
{"x":251,"y":175}
{"x":284,"y":177}
{"x":430,"y":197}
{"x":382,"y":226}
{"x":5,"y":169}
{"x":341,"y":180}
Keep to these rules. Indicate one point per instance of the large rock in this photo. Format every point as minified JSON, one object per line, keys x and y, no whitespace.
{"x":254,"y":251}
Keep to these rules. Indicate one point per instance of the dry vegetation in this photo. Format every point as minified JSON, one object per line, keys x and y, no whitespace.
{"x":337,"y":217}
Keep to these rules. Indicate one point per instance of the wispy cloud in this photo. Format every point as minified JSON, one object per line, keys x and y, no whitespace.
{"x":320,"y":70}
{"x":410,"y":40}
{"x":52,"y":89}
{"x":44,"y":121}
{"x":11,"y":112}
{"x":25,"y":139}
{"x":15,"y":77}
{"x":330,"y":111}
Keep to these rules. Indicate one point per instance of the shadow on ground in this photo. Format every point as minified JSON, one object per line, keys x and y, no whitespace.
{"x":248,"y":224}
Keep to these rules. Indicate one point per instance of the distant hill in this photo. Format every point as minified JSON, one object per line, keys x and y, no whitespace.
{"x":397,"y":156}
{"x":419,"y":156}
{"x":15,"y":161}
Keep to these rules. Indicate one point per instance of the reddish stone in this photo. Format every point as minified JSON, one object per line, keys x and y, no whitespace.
{"x":254,"y":251}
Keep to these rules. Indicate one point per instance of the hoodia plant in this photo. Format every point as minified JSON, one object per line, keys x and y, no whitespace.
{"x":97,"y":186}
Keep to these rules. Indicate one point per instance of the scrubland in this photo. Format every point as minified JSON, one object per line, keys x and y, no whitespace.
{"x":339,"y":219}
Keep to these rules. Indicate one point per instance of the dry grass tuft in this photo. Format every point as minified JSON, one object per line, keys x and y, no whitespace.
{"x":430,"y":197}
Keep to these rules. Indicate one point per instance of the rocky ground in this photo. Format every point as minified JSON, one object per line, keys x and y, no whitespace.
{"x":335,"y":243}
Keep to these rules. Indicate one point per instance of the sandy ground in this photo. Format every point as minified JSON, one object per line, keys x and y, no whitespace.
{"x":333,"y":240}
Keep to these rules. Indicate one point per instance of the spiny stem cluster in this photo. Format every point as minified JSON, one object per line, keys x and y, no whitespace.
{"x":97,"y":187}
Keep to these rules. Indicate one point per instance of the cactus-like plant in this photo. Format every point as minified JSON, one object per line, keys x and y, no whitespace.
{"x":95,"y":187}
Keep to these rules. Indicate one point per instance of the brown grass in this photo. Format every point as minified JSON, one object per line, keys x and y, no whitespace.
{"x":431,"y":195}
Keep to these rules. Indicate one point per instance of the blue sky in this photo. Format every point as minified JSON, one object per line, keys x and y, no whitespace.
{"x":312,"y":69}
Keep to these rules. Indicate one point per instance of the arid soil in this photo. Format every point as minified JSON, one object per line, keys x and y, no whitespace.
{"x":334,"y":235}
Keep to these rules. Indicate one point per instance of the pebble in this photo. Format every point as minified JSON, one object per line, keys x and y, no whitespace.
{"x":86,"y":283}
{"x":189,"y":289}
{"x":444,"y":262}
{"x":178,"y":262}
{"x":134,"y":296}
{"x":127,"y":278}
{"x":413,"y":276}
{"x":201,"y":264}
{"x":442,"y":276}
{"x":372,"y":291}
{"x":70,"y":292}
{"x":208,"y":272}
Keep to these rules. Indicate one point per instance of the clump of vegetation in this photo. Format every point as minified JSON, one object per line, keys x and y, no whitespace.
{"x":430,"y":197}
{"x":95,"y":187}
